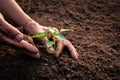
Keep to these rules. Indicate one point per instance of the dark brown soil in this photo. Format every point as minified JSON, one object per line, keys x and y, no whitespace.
{"x":96,"y":38}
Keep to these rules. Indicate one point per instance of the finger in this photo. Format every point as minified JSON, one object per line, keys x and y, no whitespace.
{"x":71,"y":48}
{"x":9,"y":30}
{"x":59,"y":47}
{"x":33,"y":51}
{"x":29,"y":49}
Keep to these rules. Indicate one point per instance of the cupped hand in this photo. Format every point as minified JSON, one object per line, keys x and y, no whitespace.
{"x":12,"y":36}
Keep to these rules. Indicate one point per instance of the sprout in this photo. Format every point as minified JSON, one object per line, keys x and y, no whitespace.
{"x":54,"y":33}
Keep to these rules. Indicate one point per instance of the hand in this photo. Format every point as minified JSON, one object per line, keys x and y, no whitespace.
{"x":35,"y":28}
{"x":13,"y":36}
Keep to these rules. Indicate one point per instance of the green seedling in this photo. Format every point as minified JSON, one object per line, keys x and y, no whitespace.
{"x":52,"y":36}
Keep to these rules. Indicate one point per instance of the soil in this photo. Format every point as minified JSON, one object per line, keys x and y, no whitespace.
{"x":96,"y":38}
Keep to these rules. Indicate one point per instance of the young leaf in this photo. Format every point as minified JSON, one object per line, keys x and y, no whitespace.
{"x":64,"y":30}
{"x":40,"y":35}
{"x":60,"y":35}
{"x":52,"y":30}
{"x":49,"y":43}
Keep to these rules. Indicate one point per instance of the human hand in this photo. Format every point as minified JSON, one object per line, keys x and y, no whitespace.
{"x":35,"y":28}
{"x":12,"y":36}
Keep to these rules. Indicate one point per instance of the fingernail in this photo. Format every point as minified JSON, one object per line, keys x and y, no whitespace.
{"x":57,"y":55}
{"x":37,"y":55}
{"x":51,"y":48}
{"x":76,"y":56}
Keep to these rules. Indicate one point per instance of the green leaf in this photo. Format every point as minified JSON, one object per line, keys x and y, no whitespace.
{"x":60,"y":35}
{"x":49,"y":43}
{"x":52,"y":30}
{"x":64,"y":30}
{"x":40,"y":35}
